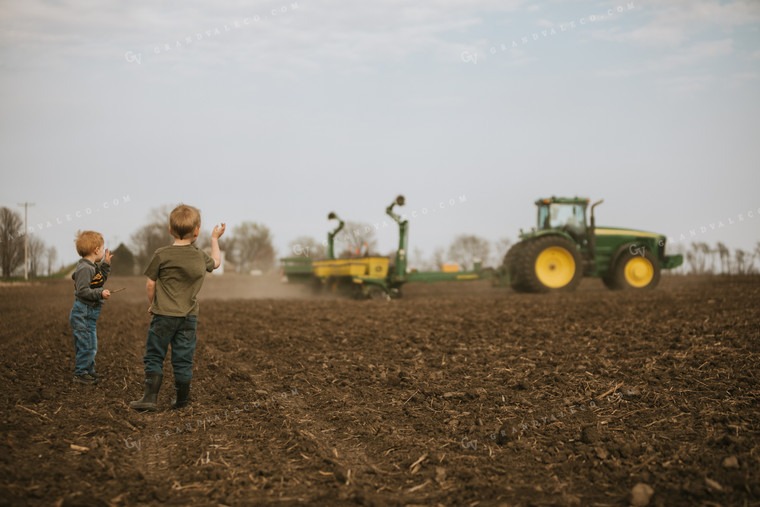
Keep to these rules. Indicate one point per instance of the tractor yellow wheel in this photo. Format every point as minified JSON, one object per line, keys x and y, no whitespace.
{"x":638,"y":272}
{"x":548,"y":264}
{"x":555,"y":267}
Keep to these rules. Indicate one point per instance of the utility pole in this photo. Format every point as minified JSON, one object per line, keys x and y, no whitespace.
{"x":26,"y":237}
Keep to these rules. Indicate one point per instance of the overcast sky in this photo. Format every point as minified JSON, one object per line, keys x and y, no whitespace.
{"x":281,"y":111}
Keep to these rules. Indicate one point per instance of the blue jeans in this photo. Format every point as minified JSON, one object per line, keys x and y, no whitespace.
{"x":180,"y":333}
{"x":83,"y":319}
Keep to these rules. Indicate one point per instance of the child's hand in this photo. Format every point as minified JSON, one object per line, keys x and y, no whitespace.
{"x":108,"y":256}
{"x":106,"y":293}
{"x":218,"y":231}
{"x":150,"y":310}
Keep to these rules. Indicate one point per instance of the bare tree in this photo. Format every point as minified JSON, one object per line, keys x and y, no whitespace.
{"x":439,"y":257}
{"x":355,"y":237}
{"x":698,"y":258}
{"x":467,"y":248}
{"x":152,"y":235}
{"x":11,"y":241}
{"x":706,"y":256}
{"x":725,"y":258}
{"x":418,"y":259}
{"x":691,"y":259}
{"x":742,"y":266}
{"x":713,"y":252}
{"x":51,"y":255}
{"x":250,"y":247}
{"x":36,"y":255}
{"x":502,"y":246}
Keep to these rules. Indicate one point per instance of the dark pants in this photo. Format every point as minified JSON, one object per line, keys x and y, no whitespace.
{"x":180,"y":333}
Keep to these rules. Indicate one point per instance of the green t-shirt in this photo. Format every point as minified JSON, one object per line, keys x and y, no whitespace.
{"x":178,"y":271}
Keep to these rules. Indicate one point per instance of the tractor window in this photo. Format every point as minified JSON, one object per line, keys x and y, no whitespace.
{"x":558,"y":216}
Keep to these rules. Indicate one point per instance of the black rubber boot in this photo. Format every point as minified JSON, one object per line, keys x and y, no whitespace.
{"x":150,"y":397}
{"x":183,"y":394}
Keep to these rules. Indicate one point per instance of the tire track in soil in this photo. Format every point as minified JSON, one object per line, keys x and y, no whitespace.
{"x":154,"y":446}
{"x":151,"y":462}
{"x":184,"y":453}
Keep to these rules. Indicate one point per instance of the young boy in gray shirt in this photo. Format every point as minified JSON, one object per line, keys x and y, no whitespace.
{"x":89,"y":277}
{"x":175,"y":276}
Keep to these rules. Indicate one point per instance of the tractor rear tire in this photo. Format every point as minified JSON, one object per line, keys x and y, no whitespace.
{"x":549,"y":264}
{"x":510,"y":265}
{"x":639,"y":271}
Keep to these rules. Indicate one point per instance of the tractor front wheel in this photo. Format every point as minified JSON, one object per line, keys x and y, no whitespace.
{"x":549,"y":264}
{"x":639,"y":271}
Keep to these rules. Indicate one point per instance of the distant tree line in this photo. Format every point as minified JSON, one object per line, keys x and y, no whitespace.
{"x":248,"y":247}
{"x":702,"y":259}
{"x":41,"y":258}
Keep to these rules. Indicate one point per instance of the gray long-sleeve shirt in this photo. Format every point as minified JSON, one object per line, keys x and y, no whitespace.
{"x":88,"y":281}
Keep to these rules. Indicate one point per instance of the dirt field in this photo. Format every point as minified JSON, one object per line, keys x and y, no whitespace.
{"x":458,"y":394}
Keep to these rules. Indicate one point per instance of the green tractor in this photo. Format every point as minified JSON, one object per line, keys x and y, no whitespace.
{"x":565,"y":247}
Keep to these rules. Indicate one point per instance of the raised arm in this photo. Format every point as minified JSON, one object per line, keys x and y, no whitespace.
{"x":216,"y":254}
{"x":105,"y":265}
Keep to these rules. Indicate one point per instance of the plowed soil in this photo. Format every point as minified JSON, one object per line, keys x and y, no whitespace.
{"x":457,"y":394}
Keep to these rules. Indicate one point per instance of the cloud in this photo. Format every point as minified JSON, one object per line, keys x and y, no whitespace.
{"x":674,"y":60}
{"x":676,"y":22}
{"x":310,"y":33}
{"x":688,"y":43}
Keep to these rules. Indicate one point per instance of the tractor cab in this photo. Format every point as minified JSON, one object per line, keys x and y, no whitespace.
{"x":564,"y":214}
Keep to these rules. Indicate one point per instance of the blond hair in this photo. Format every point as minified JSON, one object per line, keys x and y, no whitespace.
{"x":87,"y":242}
{"x":183,"y":220}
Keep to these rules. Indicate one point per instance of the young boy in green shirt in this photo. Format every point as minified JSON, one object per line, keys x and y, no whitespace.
{"x":175,"y":276}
